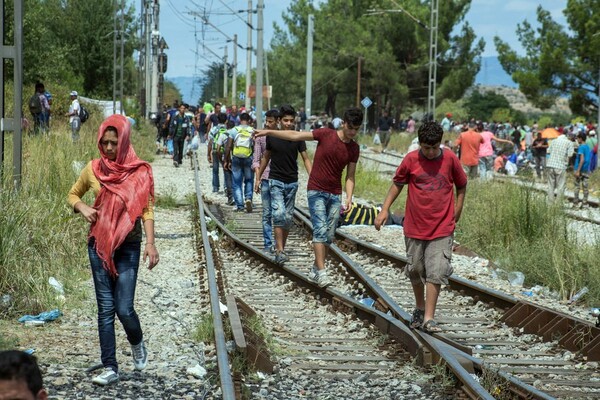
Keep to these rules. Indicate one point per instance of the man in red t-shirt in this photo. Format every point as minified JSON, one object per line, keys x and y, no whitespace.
{"x":431,"y":215}
{"x":469,"y":143}
{"x":335,"y":152}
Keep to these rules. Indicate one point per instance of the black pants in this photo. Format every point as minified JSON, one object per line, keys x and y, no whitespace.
{"x":178,"y":148}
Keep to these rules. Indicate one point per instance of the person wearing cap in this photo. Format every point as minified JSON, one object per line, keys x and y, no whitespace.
{"x":73,"y":115}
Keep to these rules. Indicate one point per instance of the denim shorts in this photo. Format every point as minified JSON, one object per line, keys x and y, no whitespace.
{"x":324,"y":214}
{"x":429,"y":260}
{"x":283,"y":198}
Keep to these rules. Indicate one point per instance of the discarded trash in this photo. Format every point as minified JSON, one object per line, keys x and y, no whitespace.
{"x":367,"y":301}
{"x":198,"y":371}
{"x":595,"y":312}
{"x":499,"y":273}
{"x":223,"y":308}
{"x":5,"y":301}
{"x":578,"y":295}
{"x":77,"y":166}
{"x":56,"y":285}
{"x":528,"y":293}
{"x":516,"y":278}
{"x":46,"y":316}
{"x":230,"y":346}
{"x":29,"y":351}
{"x":34,"y":322}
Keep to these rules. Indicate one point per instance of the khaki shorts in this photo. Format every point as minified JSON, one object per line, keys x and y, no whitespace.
{"x":429,"y":260}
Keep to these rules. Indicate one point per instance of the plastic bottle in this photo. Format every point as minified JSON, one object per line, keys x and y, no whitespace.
{"x":578,"y":295}
{"x":516,"y":278}
{"x":56,"y":285}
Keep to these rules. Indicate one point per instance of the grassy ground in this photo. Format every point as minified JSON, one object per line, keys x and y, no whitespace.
{"x":40,"y":237}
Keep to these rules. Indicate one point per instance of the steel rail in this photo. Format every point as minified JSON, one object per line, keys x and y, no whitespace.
{"x":226,"y":379}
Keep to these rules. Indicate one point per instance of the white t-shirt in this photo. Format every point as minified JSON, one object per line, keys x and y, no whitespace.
{"x":74,"y":107}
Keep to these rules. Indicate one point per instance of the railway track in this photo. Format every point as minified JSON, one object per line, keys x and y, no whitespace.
{"x":343,"y":295}
{"x":531,"y":352}
{"x":315,"y":359}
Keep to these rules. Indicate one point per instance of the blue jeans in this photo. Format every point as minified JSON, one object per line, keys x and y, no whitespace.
{"x":324,"y":213}
{"x":265,"y":195}
{"x":283,"y":198}
{"x":241,"y":169}
{"x":115,"y":296}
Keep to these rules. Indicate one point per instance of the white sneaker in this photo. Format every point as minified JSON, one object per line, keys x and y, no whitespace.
{"x":140,"y":355}
{"x":107,"y":377}
{"x":319,"y":277}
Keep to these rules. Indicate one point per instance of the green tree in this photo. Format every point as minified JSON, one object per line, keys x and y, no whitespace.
{"x":71,"y":43}
{"x":481,"y":106}
{"x":558,"y":61}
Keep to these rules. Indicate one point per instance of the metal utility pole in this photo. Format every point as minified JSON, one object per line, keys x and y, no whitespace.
{"x":153,"y":112}
{"x":225,"y":73}
{"x":267,"y":81}
{"x":122,"y":57}
{"x":259,"y":63}
{"x":249,"y":56}
{"x":309,"y":62}
{"x":234,"y":72}
{"x":358,"y":76}
{"x":148,"y":56}
{"x":118,"y":41}
{"x":433,"y":40}
{"x":15,"y":53}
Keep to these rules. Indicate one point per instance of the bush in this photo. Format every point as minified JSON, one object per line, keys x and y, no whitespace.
{"x":513,"y":226}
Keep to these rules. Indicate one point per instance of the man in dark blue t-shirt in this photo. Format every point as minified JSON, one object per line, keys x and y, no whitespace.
{"x":283,"y":179}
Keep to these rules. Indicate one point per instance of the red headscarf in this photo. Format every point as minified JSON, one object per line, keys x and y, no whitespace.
{"x":127,"y":185}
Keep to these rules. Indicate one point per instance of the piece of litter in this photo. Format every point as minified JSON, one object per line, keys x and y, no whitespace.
{"x":198,"y":371}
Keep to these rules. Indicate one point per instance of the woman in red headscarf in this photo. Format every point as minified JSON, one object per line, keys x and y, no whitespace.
{"x":124,"y":189}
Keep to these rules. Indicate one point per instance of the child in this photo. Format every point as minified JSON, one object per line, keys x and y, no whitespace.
{"x":431,"y":173}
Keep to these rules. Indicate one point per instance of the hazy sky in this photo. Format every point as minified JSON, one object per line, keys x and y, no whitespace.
{"x":179,"y":28}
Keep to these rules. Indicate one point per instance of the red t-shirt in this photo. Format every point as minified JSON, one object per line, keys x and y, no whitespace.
{"x":430,"y":203}
{"x":469,"y":143}
{"x":331,"y":157}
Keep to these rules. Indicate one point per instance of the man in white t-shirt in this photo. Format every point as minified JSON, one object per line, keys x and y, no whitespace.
{"x":73,"y":115}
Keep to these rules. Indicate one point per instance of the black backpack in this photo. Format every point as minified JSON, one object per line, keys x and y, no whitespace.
{"x":35,"y":104}
{"x":83,"y":114}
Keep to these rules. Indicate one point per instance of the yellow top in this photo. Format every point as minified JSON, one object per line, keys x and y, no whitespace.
{"x":87,"y":180}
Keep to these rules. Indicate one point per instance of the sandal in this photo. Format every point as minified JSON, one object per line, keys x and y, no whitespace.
{"x":417,"y":318}
{"x":431,"y":327}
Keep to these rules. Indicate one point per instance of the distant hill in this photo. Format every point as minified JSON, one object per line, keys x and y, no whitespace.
{"x":492,"y":74}
{"x":190,"y":91}
{"x":518,"y":101}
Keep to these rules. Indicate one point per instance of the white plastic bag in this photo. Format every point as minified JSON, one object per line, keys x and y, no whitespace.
{"x":195,"y":142}
{"x":376,"y":139}
{"x":511,"y":168}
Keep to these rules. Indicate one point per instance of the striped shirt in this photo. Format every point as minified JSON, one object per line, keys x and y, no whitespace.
{"x":559,"y":151}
